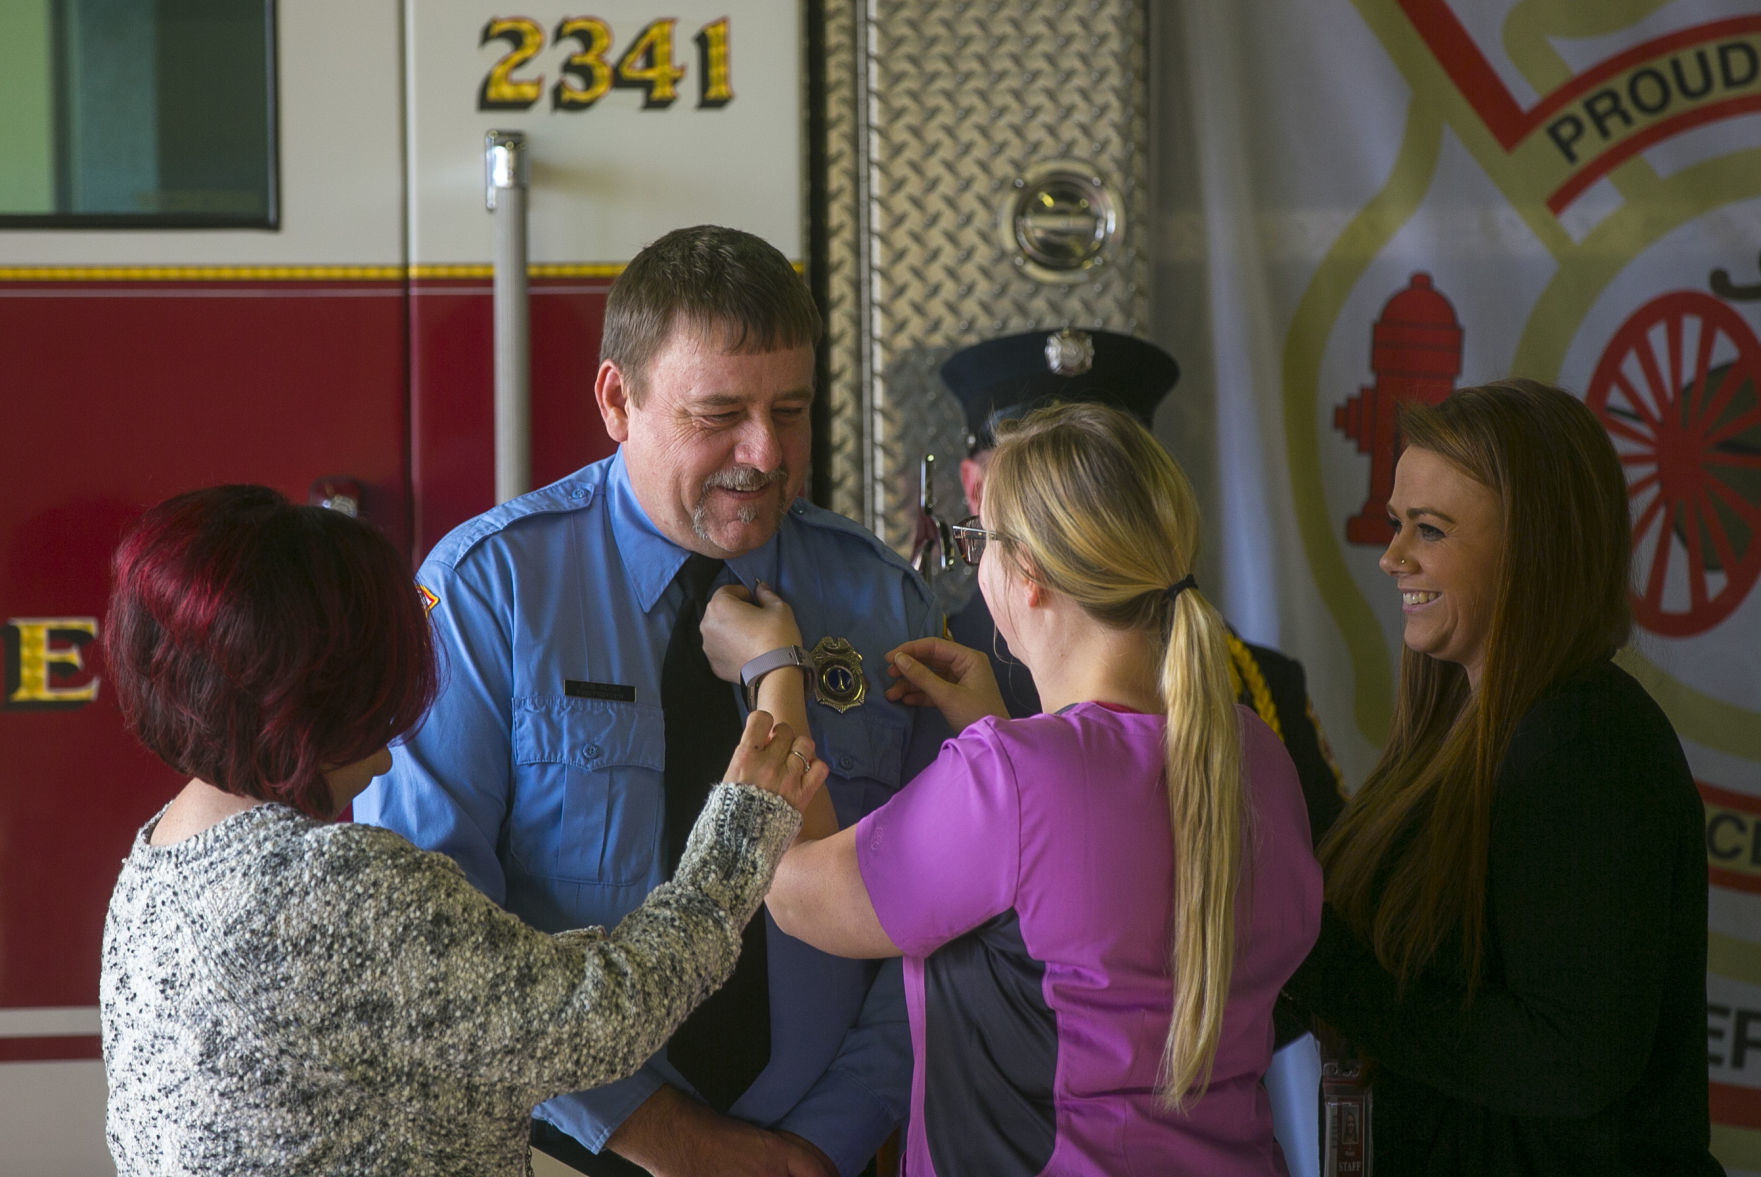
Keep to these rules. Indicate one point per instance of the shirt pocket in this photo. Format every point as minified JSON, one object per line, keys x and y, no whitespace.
{"x":865,"y":756}
{"x":592,"y":813}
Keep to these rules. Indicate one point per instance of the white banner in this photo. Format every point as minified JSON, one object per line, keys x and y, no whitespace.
{"x":1385,"y":200}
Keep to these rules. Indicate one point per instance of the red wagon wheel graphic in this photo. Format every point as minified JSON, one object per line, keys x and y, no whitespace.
{"x":1677,"y":391}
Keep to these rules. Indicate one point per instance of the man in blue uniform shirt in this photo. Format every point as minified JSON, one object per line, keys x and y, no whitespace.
{"x":541,"y":769}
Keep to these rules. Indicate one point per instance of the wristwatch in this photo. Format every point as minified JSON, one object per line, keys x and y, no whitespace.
{"x":774,"y":660}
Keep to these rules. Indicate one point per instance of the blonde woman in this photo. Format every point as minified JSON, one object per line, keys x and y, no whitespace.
{"x":1096,"y":905}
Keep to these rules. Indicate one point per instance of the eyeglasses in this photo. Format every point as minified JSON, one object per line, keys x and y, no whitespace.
{"x":969,"y":539}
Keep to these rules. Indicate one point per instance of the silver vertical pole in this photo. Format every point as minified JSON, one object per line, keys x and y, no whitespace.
{"x":504,"y":169}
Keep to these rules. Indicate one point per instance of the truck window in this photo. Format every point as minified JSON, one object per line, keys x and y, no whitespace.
{"x":137,"y":114}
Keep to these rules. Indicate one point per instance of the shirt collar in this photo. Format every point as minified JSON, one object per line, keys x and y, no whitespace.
{"x":651,"y":560}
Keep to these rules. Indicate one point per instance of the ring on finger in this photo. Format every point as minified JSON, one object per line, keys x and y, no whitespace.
{"x":805,"y":763}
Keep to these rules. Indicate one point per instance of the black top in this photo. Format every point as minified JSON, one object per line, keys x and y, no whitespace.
{"x":1584,"y":1050}
{"x":990,"y":1054}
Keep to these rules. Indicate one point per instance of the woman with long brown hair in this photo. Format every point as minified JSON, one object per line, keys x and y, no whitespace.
{"x":1096,"y":905}
{"x":1515,"y":931}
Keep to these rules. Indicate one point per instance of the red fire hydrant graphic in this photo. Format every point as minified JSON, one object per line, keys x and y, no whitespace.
{"x":1415,"y":352}
{"x":1679,"y":391}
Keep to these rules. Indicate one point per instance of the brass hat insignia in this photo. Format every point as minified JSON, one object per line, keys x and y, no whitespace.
{"x":1070,"y":352}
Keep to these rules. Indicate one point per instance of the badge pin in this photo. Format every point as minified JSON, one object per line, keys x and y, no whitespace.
{"x":838,"y":669}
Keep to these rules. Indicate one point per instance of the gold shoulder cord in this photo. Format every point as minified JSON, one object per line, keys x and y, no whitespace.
{"x":1243,"y":669}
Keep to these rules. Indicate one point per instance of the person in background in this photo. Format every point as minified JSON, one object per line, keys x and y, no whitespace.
{"x":1096,"y":905}
{"x":1005,"y":377}
{"x":1515,"y":930}
{"x":565,"y":756}
{"x":281,"y":993}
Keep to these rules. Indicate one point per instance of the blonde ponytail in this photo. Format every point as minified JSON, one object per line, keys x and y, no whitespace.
{"x":1207,"y":820}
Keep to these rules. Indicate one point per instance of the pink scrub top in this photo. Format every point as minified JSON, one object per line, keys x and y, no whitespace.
{"x":1026,"y":876}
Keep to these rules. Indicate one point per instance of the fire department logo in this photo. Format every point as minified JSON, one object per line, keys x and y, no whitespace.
{"x":1625,"y":281}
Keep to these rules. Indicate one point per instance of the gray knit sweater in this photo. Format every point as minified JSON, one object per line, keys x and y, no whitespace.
{"x":281,"y":995}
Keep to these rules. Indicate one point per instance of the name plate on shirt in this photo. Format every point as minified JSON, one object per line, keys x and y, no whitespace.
{"x":615,"y":692}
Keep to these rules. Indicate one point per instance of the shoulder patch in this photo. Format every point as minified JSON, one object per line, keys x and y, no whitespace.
{"x":429,"y":598}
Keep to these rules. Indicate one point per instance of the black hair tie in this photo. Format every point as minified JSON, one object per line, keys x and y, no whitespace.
{"x":1173,"y":591}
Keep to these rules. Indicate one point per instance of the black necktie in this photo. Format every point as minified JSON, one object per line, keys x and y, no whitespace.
{"x":725,"y":1043}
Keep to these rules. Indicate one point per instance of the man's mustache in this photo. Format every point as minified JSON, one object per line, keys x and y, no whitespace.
{"x":745,"y":478}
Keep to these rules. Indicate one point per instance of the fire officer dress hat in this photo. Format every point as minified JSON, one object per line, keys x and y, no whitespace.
{"x":1007,"y":377}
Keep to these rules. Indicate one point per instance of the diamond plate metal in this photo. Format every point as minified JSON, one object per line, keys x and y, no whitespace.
{"x":949,"y":105}
{"x":846,"y":352}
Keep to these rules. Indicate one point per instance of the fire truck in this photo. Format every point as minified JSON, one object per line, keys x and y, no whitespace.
{"x":257,"y":243}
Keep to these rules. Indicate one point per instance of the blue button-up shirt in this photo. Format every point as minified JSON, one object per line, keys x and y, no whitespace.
{"x":551,"y":798}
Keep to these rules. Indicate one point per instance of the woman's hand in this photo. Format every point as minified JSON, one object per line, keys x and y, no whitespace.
{"x":954,"y":679}
{"x":773,"y":758}
{"x":738,"y":628}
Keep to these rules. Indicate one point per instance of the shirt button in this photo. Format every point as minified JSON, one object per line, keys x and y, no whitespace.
{"x":846,"y":762}
{"x":577,"y":493}
{"x":592,"y":751}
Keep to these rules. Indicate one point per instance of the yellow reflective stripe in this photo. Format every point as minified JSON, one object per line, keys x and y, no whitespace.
{"x":543,"y":270}
{"x":200,"y":273}
{"x":606,"y":270}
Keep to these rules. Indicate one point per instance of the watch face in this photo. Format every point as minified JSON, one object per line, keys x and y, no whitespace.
{"x":838,"y":677}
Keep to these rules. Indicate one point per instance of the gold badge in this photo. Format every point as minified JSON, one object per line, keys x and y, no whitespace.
{"x":838,"y":670}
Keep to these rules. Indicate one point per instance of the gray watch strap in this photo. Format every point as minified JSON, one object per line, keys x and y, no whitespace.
{"x":771,"y":660}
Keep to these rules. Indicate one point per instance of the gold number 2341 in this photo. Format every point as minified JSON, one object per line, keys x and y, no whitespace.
{"x":589,"y":73}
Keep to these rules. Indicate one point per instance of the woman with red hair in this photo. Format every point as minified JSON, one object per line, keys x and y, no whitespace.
{"x":283,"y":993}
